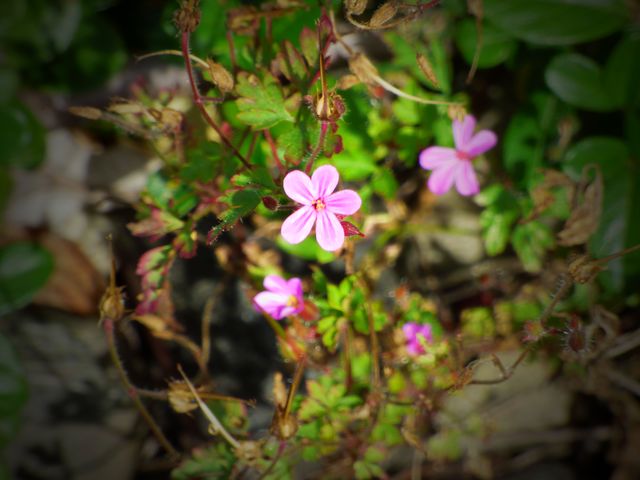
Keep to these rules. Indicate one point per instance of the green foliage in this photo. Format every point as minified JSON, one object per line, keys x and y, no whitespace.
{"x":531,"y":241}
{"x":22,"y":137}
{"x":214,"y":462}
{"x":497,"y":218}
{"x":261,"y":102}
{"x":557,"y":22}
{"x":497,"y":45}
{"x":24,"y":269}
{"x":579,"y":81}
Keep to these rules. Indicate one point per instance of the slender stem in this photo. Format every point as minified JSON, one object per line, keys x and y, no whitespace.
{"x":387,"y":86}
{"x":197,"y":98}
{"x":316,"y":151}
{"x":479,"y":40}
{"x":613,"y":256}
{"x":297,"y":377}
{"x":274,"y":150}
{"x":375,"y":348}
{"x":108,"y":326}
{"x":232,"y":51}
{"x":215,"y":423}
{"x":179,"y":53}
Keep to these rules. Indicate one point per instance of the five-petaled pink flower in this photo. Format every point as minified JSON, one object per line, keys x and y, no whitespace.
{"x":451,"y":165}
{"x":320,"y":205}
{"x":281,"y":298}
{"x":412,"y":332}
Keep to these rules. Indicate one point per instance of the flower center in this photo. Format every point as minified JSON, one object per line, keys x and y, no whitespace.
{"x":292,"y":301}
{"x":319,"y":204}
{"x":462,"y":155}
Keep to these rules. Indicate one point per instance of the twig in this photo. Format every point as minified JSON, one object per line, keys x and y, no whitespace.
{"x":108,"y":327}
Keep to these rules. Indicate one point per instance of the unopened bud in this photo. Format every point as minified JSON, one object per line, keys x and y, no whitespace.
{"x":270,"y":202}
{"x":220,"y":76}
{"x":112,"y":304}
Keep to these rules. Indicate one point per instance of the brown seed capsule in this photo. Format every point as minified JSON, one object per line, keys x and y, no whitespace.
{"x":347,"y":81}
{"x":220,"y":76}
{"x":427,"y":69}
{"x":86,"y":112}
{"x":362,"y":68}
{"x":180,"y":397}
{"x":355,"y":7}
{"x":383,"y":14}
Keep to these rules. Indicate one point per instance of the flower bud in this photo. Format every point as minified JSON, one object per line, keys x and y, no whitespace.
{"x":355,"y":7}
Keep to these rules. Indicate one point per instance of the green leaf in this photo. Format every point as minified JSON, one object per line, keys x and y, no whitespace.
{"x":496,"y":220}
{"x":208,"y":464}
{"x":497,"y":45}
{"x":261,"y":102}
{"x":619,"y":227}
{"x":521,"y":148}
{"x":22,"y":137}
{"x":531,"y":241}
{"x":622,"y":72}
{"x":557,"y":22}
{"x":8,"y":84}
{"x":478,"y":322}
{"x":308,"y":249}
{"x":579,"y":81}
{"x":24,"y":269}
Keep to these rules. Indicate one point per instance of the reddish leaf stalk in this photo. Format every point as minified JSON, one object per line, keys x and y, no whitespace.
{"x":197,"y":98}
{"x":316,"y":151}
{"x":274,"y":150}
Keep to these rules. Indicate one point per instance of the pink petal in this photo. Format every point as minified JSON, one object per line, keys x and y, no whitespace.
{"x":298,"y":187}
{"x":325,"y":179}
{"x":466,"y":180}
{"x":434,"y":157}
{"x":297,"y":226}
{"x":481,"y":142}
{"x":329,"y":232}
{"x":409,"y":330}
{"x":344,"y":202}
{"x":276,"y":284}
{"x":271,"y":303}
{"x":463,"y":131}
{"x":441,"y":179}
{"x":294,"y":287}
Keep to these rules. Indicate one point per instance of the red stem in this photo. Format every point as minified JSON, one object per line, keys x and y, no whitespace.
{"x":274,"y":150}
{"x":197,"y":98}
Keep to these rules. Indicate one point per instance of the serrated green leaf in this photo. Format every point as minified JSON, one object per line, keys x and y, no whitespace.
{"x":261,"y":103}
{"x":531,"y":241}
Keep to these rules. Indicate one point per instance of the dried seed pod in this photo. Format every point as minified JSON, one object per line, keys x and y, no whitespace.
{"x":249,"y":451}
{"x":427,"y":69}
{"x":86,"y":112}
{"x":180,"y":397}
{"x":220,"y":76}
{"x":362,"y":68}
{"x":355,"y":7}
{"x":583,"y":269}
{"x":383,"y":14}
{"x":187,"y":18}
{"x":347,"y":81}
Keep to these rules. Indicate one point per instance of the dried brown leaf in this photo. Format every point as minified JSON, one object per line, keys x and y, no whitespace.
{"x":584,"y":219}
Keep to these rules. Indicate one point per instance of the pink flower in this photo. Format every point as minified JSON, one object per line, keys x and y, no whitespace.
{"x":412,"y":332}
{"x":281,"y":298}
{"x":319,"y":204}
{"x":451,"y":165}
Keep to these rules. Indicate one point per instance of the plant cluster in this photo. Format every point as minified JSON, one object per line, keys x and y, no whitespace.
{"x":294,"y":127}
